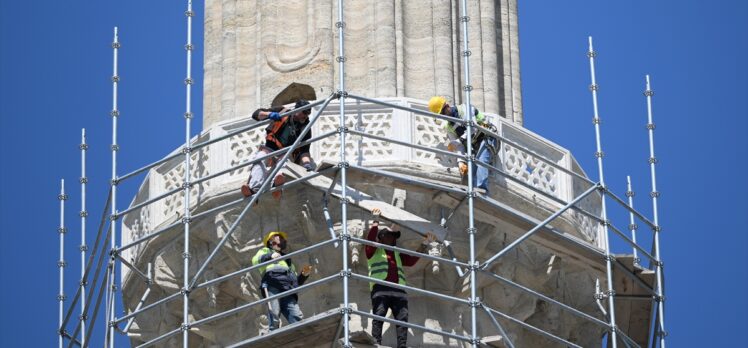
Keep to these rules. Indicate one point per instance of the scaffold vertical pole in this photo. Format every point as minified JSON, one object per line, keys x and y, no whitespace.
{"x":464,"y":19}
{"x":61,"y":263}
{"x":655,"y":195}
{"x":632,"y":222}
{"x":187,"y":186}
{"x":83,"y":247}
{"x":113,"y":224}
{"x":591,"y":54}
{"x":343,"y":166}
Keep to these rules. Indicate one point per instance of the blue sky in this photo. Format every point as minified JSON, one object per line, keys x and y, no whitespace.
{"x":55,"y":68}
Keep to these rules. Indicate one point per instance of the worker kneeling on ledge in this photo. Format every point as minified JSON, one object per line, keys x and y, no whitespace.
{"x":279,"y":277}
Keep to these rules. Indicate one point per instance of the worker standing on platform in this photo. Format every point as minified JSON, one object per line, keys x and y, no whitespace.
{"x":282,"y":132}
{"x":483,"y":146}
{"x":279,"y":277}
{"x":388,"y":265}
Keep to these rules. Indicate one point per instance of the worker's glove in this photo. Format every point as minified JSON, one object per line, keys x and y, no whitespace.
{"x":463,"y":168}
{"x":375,"y":213}
{"x":275,"y":256}
{"x":308,"y":166}
{"x":428,"y":239}
{"x":451,"y":147}
{"x":306,"y":270}
{"x":274,"y":116}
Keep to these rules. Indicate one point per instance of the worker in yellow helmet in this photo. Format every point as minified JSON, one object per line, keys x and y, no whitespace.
{"x":484,"y":147}
{"x":278,"y":277}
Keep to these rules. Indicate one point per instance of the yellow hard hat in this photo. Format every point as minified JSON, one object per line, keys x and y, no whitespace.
{"x":272,"y":234}
{"x":436,"y":104}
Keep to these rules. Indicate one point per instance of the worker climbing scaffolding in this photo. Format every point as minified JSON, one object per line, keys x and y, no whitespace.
{"x":484,"y":147}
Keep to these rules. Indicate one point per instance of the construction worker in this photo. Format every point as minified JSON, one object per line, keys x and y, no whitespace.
{"x":484,"y":147}
{"x":279,"y":277}
{"x":282,"y":132}
{"x":388,"y":265}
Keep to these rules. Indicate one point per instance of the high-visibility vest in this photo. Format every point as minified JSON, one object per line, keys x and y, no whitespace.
{"x":280,"y":265}
{"x":378,"y":267}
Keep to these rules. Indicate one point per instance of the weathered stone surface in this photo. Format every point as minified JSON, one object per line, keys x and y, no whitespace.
{"x":393,"y":48}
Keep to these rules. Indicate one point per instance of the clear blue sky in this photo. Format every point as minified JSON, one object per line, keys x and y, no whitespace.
{"x":55,"y":67}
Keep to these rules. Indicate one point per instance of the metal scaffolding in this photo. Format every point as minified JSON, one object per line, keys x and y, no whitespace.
{"x":472,"y":267}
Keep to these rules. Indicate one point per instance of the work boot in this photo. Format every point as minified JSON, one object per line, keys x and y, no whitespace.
{"x":246,"y":191}
{"x":278,"y":181}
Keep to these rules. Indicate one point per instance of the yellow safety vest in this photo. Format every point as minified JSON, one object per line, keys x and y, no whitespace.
{"x":280,"y":265}
{"x":378,"y":267}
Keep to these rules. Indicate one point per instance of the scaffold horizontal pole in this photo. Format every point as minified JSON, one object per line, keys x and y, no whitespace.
{"x":534,"y":329}
{"x":410,"y":325}
{"x":547,"y":299}
{"x":538,"y":227}
{"x":266,"y":263}
{"x":409,"y":109}
{"x":264,"y":300}
{"x":410,"y":288}
{"x":408,"y":252}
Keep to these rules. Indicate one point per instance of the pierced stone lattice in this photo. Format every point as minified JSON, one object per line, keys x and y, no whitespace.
{"x":242,"y":146}
{"x":589,"y":227}
{"x":428,"y":132}
{"x":175,"y":178}
{"x":358,"y":148}
{"x":532,"y":170}
{"x":140,"y":227}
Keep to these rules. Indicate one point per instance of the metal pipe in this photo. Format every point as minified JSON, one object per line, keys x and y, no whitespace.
{"x":656,"y":229}
{"x":262,"y":190}
{"x":160,"y":338}
{"x":534,"y":329}
{"x":547,"y":299}
{"x":263,"y":264}
{"x":78,"y":292}
{"x":115,"y":148}
{"x":147,"y":307}
{"x":61,"y":230}
{"x":633,"y":211}
{"x":83,"y":214}
{"x":536,"y":190}
{"x":464,"y":19}
{"x":630,"y":242}
{"x":258,"y":159}
{"x":407,"y":180}
{"x":488,"y":132}
{"x":408,"y":252}
{"x":628,"y":341}
{"x":632,"y":223}
{"x":538,"y":227}
{"x":131,"y":267}
{"x":94,"y":315}
{"x":498,"y":327}
{"x":405,"y":108}
{"x":410,"y":325}
{"x":187,"y":187}
{"x":266,"y":299}
{"x":142,"y":299}
{"x":599,"y":154}
{"x":403,"y":143}
{"x":343,"y":174}
{"x":409,"y":288}
{"x":214,"y":140}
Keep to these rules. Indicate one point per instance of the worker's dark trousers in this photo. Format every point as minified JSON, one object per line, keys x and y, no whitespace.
{"x":399,"y":307}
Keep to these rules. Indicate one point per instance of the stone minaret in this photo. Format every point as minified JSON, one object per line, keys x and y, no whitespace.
{"x":394,"y":48}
